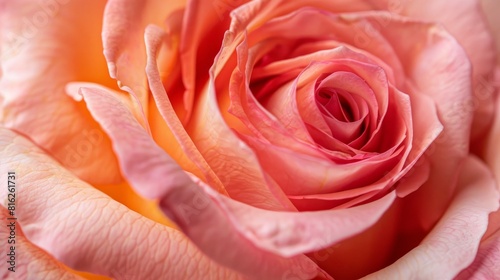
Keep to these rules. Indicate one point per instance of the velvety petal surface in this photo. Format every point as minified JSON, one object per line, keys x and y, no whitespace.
{"x":485,"y":265}
{"x":188,"y":205}
{"x":87,"y":230}
{"x":30,"y":261}
{"x":212,"y":150}
{"x":123,"y":29}
{"x":215,"y":222}
{"x":40,"y":53}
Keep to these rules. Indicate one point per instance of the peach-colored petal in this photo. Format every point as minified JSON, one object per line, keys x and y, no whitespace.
{"x":30,"y":262}
{"x":453,"y":243}
{"x":41,"y":51}
{"x":87,"y":230}
{"x":466,"y":21}
{"x":122,"y":33}
{"x":205,"y":21}
{"x":154,"y":37}
{"x":289,"y":234}
{"x":448,"y":84}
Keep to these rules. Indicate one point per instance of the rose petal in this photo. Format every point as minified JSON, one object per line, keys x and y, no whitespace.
{"x":490,"y":154}
{"x":87,"y":230}
{"x":30,"y":261}
{"x":155,"y":175}
{"x":213,"y":149}
{"x":209,"y":218}
{"x":122,"y":33}
{"x":204,"y":21}
{"x":485,"y":266}
{"x":492,"y":149}
{"x":464,"y":20}
{"x":467,"y":23}
{"x":454,"y":241}
{"x":447,"y":82}
{"x":491,"y":8}
{"x":41,"y":52}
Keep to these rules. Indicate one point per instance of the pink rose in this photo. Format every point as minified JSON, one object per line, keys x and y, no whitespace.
{"x":285,"y":140}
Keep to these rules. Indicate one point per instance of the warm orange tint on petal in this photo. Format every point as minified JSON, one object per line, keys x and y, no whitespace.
{"x":44,"y":46}
{"x":453,"y":243}
{"x":87,"y":230}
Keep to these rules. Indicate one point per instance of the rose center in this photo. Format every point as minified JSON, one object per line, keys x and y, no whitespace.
{"x":334,"y":102}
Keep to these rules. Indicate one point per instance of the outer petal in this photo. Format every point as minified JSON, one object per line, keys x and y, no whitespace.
{"x":31,"y":262}
{"x":453,"y":243}
{"x":87,"y":230}
{"x":44,"y":45}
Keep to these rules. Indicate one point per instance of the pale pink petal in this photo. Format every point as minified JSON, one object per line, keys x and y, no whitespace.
{"x":263,"y":125}
{"x":465,"y":20}
{"x":445,"y":81}
{"x":87,"y":230}
{"x":30,"y":262}
{"x":491,"y":8}
{"x":492,"y":149}
{"x":204,"y":21}
{"x":453,"y":243}
{"x":490,"y":154}
{"x":215,"y":222}
{"x":45,"y":45}
{"x":485,"y":266}
{"x":123,"y":29}
{"x":289,"y":234}
{"x":155,"y":175}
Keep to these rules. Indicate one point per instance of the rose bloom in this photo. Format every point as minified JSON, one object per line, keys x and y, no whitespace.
{"x":229,"y":139}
